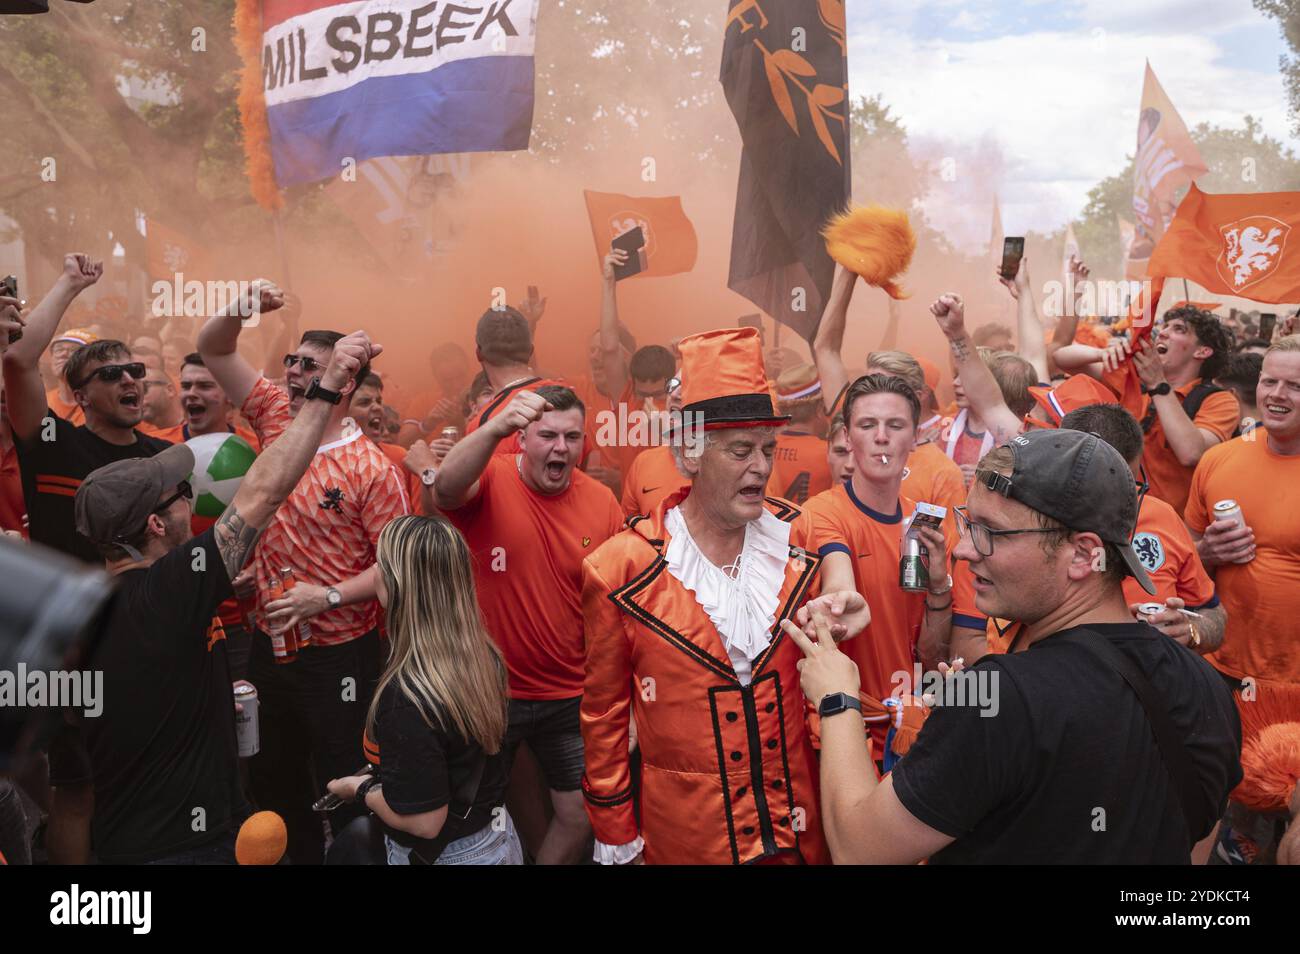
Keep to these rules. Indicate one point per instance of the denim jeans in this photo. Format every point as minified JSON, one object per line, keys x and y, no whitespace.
{"x":485,"y":847}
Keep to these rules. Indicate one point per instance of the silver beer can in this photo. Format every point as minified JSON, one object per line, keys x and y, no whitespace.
{"x":247,"y":730}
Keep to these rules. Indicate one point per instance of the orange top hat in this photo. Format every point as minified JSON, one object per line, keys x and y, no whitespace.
{"x":1074,"y":392}
{"x":723,"y":380}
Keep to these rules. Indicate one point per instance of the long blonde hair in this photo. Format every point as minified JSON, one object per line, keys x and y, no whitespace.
{"x":442,"y":659}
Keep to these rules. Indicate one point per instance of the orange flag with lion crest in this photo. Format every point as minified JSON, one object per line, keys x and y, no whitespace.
{"x":1238,"y":244}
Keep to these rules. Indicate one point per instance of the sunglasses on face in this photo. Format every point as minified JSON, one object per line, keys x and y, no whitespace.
{"x":183,"y":489}
{"x":110,"y":373}
{"x":308,"y":364}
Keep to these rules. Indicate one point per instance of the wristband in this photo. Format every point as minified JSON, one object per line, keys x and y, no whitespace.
{"x":938,"y":609}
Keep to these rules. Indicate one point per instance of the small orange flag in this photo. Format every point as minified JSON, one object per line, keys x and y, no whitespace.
{"x":670,"y":246}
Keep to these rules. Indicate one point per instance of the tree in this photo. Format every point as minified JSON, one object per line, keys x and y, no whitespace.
{"x":1287,"y":14}
{"x":125,"y":107}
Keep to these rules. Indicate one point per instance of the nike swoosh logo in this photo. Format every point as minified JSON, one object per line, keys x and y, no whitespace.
{"x":646,"y":490}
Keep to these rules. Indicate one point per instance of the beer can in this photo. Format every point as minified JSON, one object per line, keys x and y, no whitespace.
{"x":1228,"y":510}
{"x":451,"y":433}
{"x":247,"y":729}
{"x":913,"y":577}
{"x":1150,"y":609}
{"x":289,"y":581}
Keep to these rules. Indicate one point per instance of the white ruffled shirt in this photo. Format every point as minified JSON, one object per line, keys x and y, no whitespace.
{"x":740,"y":600}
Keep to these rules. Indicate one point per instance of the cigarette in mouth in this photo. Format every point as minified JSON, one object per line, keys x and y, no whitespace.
{"x":884,"y":458}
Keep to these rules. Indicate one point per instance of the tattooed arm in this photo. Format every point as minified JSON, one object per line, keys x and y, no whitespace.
{"x":977,"y":380}
{"x":276,"y":472}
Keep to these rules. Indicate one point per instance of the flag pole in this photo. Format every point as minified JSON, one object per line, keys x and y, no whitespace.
{"x":1187,"y":295}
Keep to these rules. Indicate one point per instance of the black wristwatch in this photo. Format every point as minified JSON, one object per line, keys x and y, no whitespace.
{"x":369,"y":782}
{"x":837,"y":702}
{"x":314,"y":390}
{"x":1161,"y":388}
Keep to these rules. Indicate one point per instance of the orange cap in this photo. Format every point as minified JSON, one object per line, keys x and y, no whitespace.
{"x":723,"y":380}
{"x":1071,"y":394}
{"x":77,"y":335}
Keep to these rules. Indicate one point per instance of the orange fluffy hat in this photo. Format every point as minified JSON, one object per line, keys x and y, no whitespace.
{"x":723,"y":380}
{"x":1270,"y":746}
{"x":873,"y":241}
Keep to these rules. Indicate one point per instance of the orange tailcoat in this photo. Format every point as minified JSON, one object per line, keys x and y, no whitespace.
{"x":728,"y":774}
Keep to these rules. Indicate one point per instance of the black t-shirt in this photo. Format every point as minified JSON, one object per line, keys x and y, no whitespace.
{"x":423,"y":767}
{"x":163,"y":752}
{"x":1068,"y":770}
{"x":53,"y":469}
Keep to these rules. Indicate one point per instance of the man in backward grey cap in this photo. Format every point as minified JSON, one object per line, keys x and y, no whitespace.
{"x":163,"y":750}
{"x":1093,"y":740}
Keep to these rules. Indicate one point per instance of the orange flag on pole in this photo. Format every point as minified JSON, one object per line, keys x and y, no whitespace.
{"x":669,"y":236}
{"x":1229,"y":245}
{"x":1234,"y":245}
{"x":1166,"y":160}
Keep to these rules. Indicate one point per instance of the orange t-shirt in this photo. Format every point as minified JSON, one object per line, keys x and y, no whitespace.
{"x":932,"y":477}
{"x":13,"y":509}
{"x":1169,"y":555}
{"x":72,"y":413}
{"x":1169,"y":479}
{"x":873,"y":541}
{"x":1262,"y":637}
{"x":652,"y":477}
{"x":800,"y":469}
{"x":328,"y":528}
{"x":528,"y":550}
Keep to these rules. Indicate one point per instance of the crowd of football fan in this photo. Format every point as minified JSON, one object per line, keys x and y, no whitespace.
{"x":416,"y":576}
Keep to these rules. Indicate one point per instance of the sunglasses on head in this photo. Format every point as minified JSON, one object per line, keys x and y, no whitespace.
{"x":183,"y":489}
{"x":308,"y":364}
{"x":109,"y":373}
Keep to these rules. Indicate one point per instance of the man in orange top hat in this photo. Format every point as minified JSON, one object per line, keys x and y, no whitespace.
{"x":683,"y":614}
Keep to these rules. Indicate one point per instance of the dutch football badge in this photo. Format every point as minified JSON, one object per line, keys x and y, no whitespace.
{"x":1149,"y":550}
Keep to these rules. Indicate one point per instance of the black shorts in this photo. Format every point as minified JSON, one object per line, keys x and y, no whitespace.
{"x":553,"y":732}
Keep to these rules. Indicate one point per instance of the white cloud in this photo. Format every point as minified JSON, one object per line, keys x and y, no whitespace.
{"x":1060,"y":106}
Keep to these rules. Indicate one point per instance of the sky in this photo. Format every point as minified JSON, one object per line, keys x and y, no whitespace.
{"x":1038,"y":100}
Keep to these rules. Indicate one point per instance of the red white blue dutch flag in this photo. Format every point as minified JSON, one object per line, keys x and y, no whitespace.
{"x":371,"y":78}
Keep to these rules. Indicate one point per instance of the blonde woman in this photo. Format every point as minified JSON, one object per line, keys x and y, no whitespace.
{"x":438,"y":717}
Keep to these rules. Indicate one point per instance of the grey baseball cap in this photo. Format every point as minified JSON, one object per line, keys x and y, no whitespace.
{"x":113,"y":503}
{"x":1081,"y":482}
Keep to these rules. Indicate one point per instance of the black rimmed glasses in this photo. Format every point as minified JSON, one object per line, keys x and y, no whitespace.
{"x":982,"y":537}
